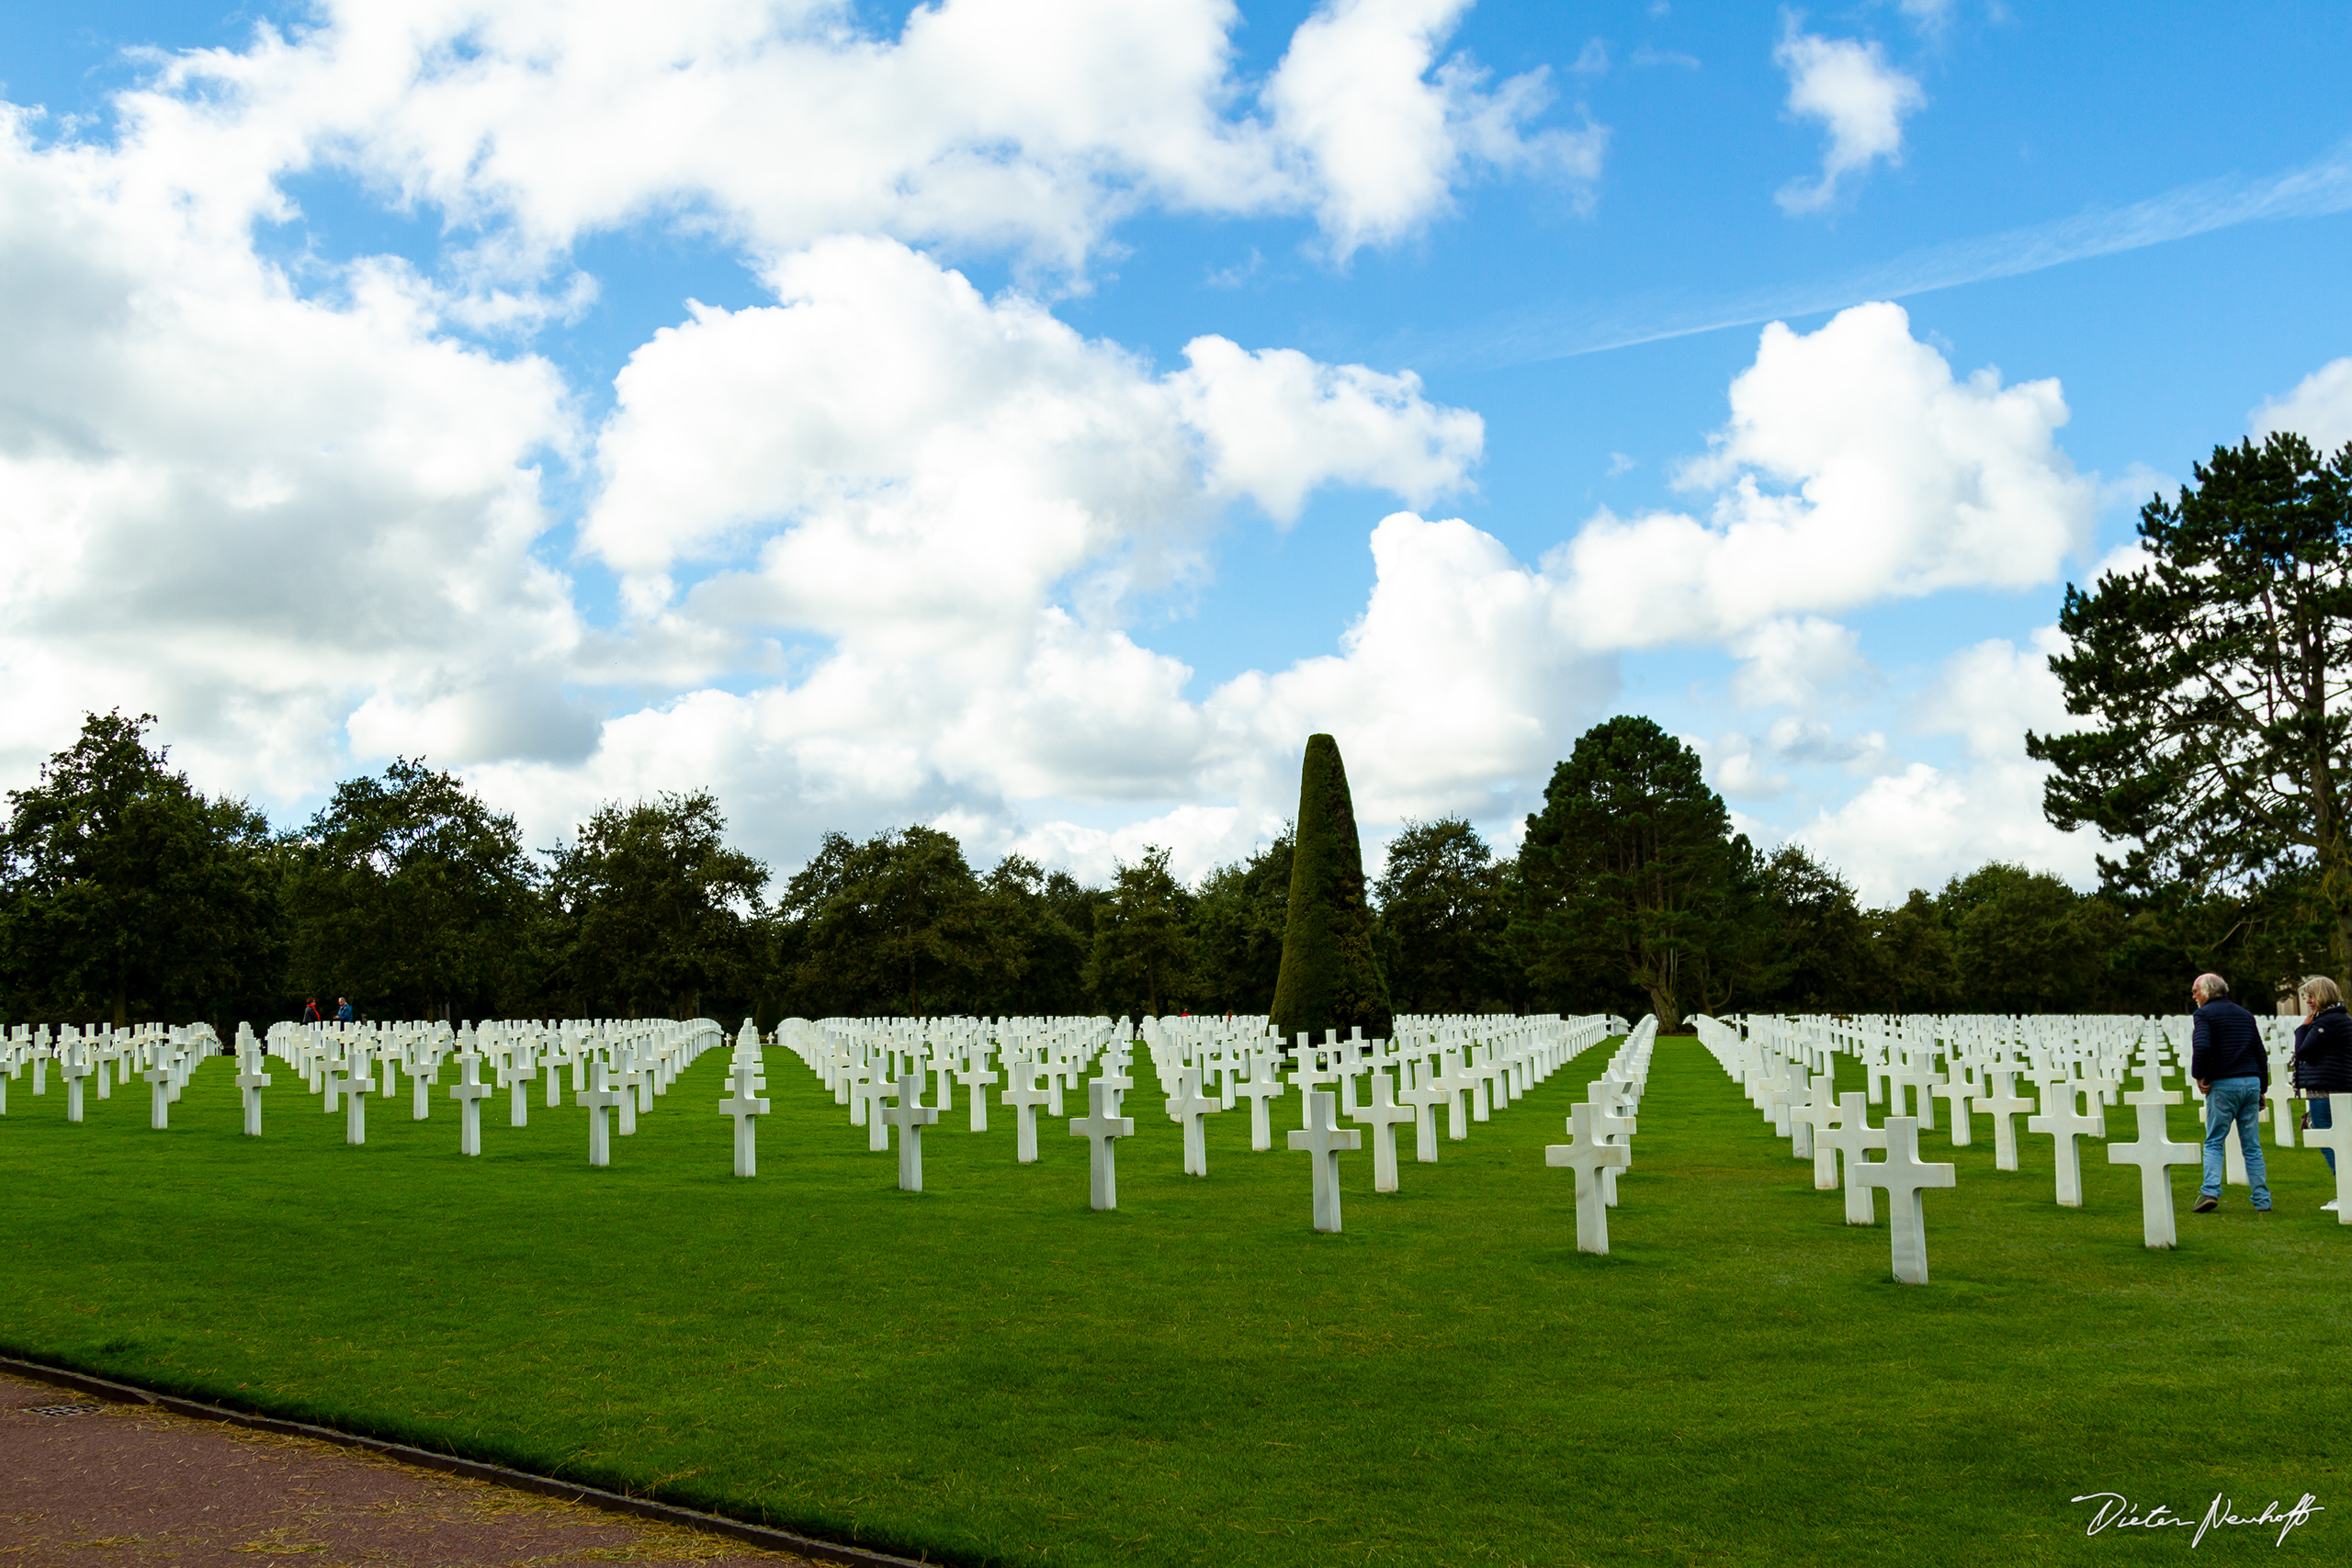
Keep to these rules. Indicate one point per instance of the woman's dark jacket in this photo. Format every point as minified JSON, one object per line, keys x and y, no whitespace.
{"x":2324,"y":1052}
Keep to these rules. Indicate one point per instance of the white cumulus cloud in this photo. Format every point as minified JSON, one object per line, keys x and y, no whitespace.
{"x":2319,"y":409}
{"x":1026,"y":126}
{"x":256,"y":513}
{"x":1387,"y":128}
{"x":1917,"y":826}
{"x":1856,"y":468}
{"x":906,"y":454}
{"x":1859,"y":99}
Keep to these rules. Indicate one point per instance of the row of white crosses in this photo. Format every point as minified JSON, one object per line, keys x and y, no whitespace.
{"x":615,"y":1065}
{"x":1600,"y":1134}
{"x":162,"y":1056}
{"x":2079,"y":1067}
{"x":881,"y":1070}
{"x":2094,"y":1054}
{"x":1785,"y":1072}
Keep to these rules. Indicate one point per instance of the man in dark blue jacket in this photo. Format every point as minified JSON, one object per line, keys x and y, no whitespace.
{"x":2227,"y":1060}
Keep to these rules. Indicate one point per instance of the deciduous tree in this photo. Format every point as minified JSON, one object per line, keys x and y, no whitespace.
{"x":892,"y":925}
{"x":657,"y":914}
{"x":1442,"y":917}
{"x":409,"y":894}
{"x":123,"y":887}
{"x":1143,"y":942}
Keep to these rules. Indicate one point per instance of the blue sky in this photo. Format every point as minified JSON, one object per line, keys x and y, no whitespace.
{"x":371,"y":416}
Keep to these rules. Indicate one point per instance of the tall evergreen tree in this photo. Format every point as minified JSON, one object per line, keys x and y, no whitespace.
{"x":2217,"y":680}
{"x":1330,"y":976}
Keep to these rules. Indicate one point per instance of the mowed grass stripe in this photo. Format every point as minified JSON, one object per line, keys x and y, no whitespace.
{"x":989,"y":1371}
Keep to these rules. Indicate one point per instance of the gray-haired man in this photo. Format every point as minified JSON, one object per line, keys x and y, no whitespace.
{"x":2227,"y":1060}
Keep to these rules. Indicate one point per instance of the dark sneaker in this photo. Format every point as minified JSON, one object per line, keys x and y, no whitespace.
{"x":2206,"y":1205}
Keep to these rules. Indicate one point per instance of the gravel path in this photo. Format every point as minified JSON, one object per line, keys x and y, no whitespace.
{"x":127,"y":1484}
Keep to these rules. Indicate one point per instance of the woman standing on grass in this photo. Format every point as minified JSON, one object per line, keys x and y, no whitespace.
{"x":2322,"y":1056}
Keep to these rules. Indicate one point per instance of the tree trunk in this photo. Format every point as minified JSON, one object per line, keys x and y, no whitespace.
{"x":1670,"y":1017}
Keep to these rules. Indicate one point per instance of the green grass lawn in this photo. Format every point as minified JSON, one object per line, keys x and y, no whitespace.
{"x":989,"y":1371}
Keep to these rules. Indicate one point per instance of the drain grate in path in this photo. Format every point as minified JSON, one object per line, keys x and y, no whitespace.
{"x":82,"y":1409}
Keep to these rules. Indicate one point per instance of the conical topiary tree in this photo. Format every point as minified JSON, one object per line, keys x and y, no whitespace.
{"x":1330,"y":976}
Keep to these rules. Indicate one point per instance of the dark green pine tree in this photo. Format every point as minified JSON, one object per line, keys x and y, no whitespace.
{"x":2215,"y":686}
{"x":1330,"y":976}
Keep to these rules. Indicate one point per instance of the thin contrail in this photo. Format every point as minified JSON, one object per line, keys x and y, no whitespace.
{"x":2316,"y":190}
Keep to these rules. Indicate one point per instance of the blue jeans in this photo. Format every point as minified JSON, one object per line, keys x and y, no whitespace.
{"x":2238,"y":1100}
{"x":2319,"y":1114}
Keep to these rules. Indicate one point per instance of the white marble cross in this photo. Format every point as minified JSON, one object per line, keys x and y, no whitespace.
{"x":1851,"y":1138}
{"x":2064,"y":1125}
{"x":73,"y":1067}
{"x":1382,"y":1115}
{"x":1918,"y":1075}
{"x":910,"y":1116}
{"x":744,"y":1106}
{"x":1324,"y":1143}
{"x":356,"y":1090}
{"x":976,"y":1075}
{"x":600,"y":1098}
{"x":2152,"y":1152}
{"x":1424,"y":1094}
{"x":1784,"y":1089}
{"x":159,"y":1093}
{"x":2338,"y":1138}
{"x":2003,"y":1106}
{"x":1810,"y":1103}
{"x":469,"y":1091}
{"x":1905,"y":1177}
{"x":1588,"y":1155}
{"x":1824,"y":1115}
{"x":2285,"y":1110}
{"x":424,"y":1068}
{"x":1026,"y":1096}
{"x":871,"y":1093}
{"x":1100,"y":1128}
{"x":1265,"y":1085}
{"x":1458,"y":1084}
{"x":1187,"y":1107}
{"x":1955,"y":1088}
{"x":628,"y":1076}
{"x":251,"y":1081}
{"x":521,"y":1068}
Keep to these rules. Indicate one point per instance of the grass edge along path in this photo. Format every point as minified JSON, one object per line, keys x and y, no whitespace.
{"x":450,"y":1464}
{"x":987,"y":1371}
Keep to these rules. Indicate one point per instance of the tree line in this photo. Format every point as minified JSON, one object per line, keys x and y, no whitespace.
{"x":126,"y":894}
{"x":2213,"y":686}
